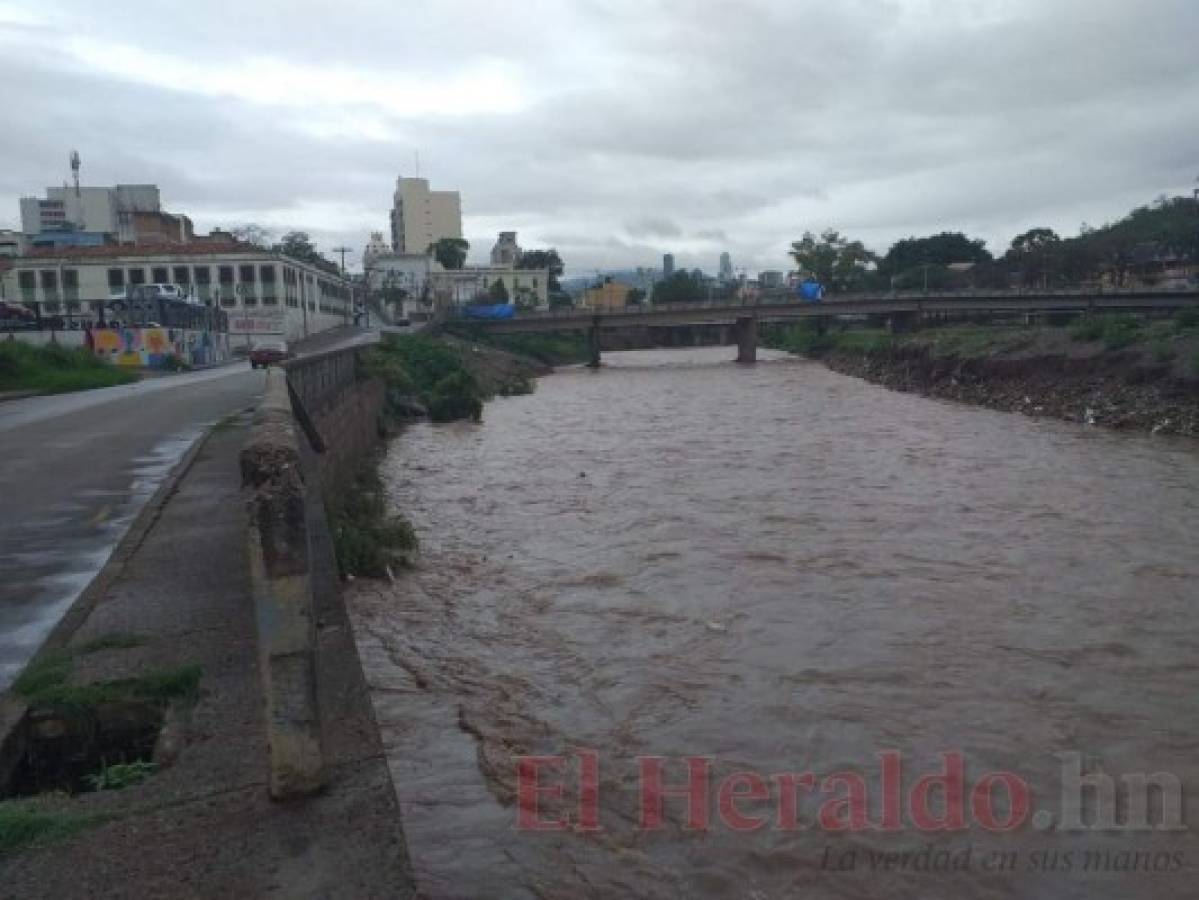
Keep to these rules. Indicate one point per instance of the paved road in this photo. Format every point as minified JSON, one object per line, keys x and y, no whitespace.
{"x":74,"y":471}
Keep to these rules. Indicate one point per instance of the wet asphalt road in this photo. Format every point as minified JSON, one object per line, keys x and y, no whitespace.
{"x":74,"y":471}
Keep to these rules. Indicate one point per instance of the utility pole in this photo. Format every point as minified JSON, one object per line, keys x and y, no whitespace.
{"x":343,"y":251}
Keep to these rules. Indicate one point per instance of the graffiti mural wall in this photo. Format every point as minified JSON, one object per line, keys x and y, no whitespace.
{"x":155,"y":348}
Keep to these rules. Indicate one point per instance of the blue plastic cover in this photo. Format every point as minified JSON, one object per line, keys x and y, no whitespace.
{"x":494,"y":311}
{"x":812,"y":291}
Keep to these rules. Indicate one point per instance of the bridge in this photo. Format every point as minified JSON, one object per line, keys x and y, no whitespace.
{"x":900,"y":310}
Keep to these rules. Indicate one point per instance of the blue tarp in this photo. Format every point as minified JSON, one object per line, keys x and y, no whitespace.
{"x":495,"y":311}
{"x":811,"y":291}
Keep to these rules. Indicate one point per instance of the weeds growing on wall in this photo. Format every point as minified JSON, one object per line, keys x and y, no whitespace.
{"x":367,"y":541}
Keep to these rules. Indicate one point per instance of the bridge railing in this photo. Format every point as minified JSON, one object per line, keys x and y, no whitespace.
{"x":790,"y":299}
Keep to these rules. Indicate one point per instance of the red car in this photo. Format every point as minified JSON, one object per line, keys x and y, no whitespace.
{"x":268,"y":353}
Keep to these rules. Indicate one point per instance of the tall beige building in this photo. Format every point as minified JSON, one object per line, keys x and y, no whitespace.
{"x":421,"y":217}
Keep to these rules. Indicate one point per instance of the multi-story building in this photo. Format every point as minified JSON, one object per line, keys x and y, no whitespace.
{"x":667,"y":265}
{"x":726,"y":267}
{"x":506,"y":251}
{"x":609,"y":295}
{"x":525,"y":287}
{"x":262,"y":293}
{"x":771,"y":279}
{"x":420,"y":217}
{"x":106,"y":211}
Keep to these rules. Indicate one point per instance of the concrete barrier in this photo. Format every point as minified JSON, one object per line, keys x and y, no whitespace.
{"x":280,"y":555}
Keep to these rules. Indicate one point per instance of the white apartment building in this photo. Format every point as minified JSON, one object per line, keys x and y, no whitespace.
{"x":420,"y":217}
{"x":97,"y":210}
{"x":264,"y":294}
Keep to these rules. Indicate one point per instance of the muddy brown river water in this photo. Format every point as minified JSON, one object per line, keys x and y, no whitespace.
{"x":776,"y":569}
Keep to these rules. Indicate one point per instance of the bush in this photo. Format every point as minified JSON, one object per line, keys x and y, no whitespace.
{"x":366,"y":540}
{"x":54,"y":369}
{"x":456,"y":396}
{"x":1088,"y":328}
{"x":1120,"y":332}
{"x":1187,"y":318}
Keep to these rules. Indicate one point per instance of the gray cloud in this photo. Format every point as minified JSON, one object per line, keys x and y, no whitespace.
{"x":616,"y":130}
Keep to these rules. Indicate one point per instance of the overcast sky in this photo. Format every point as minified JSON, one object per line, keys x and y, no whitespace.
{"x":615,"y":130}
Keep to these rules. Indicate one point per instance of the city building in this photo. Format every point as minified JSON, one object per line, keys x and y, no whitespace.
{"x":771,"y":279}
{"x":420,"y":217}
{"x":13,"y":243}
{"x":609,"y":295}
{"x":506,"y":251}
{"x":667,"y":265}
{"x":525,"y":287}
{"x":726,"y":268}
{"x":264,"y":294}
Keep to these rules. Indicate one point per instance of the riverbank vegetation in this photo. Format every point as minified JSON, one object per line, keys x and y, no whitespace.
{"x":1119,"y":370}
{"x":54,"y":369}
{"x":557,"y":348}
{"x":367,"y":540}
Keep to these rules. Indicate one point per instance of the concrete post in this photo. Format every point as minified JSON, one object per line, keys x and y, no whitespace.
{"x":593,"y":344}
{"x":747,"y":339}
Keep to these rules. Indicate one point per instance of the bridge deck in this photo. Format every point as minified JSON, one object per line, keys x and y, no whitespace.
{"x":702,"y":313}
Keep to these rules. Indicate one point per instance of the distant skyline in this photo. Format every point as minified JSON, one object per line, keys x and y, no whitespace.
{"x":614,"y":130}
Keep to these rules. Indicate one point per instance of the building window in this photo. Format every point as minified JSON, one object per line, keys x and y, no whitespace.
{"x":228,"y":301}
{"x":160,"y":275}
{"x":249,"y":300}
{"x":203,"y":275}
{"x":49,"y":280}
{"x":267,"y":274}
{"x":225,"y":274}
{"x":26,"y":281}
{"x":70,"y":279}
{"x":182,"y":275}
{"x":245,"y":274}
{"x":137,"y":276}
{"x":116,"y":279}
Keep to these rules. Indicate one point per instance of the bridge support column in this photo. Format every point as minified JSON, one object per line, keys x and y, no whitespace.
{"x":746,"y":330}
{"x":593,"y":346}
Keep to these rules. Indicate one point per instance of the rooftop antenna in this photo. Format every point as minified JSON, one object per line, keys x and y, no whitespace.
{"x":75,"y":169}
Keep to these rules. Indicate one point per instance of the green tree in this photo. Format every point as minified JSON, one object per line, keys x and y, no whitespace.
{"x":252,"y":233}
{"x":835,"y":261}
{"x":543,"y":259}
{"x":498,"y":292}
{"x":939,"y":250}
{"x":635,"y":297}
{"x":298,"y":245}
{"x":681,"y":287}
{"x":1036,"y":256}
{"x":450,"y":252}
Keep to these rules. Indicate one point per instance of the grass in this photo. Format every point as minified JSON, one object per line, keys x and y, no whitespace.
{"x":54,"y":369}
{"x":1115,"y":331}
{"x":45,"y":683}
{"x":807,"y":339}
{"x":121,"y":775}
{"x":973,"y":341}
{"x":559,"y":348}
{"x":29,"y":822}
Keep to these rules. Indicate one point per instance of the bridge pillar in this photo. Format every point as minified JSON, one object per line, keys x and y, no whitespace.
{"x":746,"y":330}
{"x":593,"y":346}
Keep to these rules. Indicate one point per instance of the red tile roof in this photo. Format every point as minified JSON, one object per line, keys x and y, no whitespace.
{"x":105,"y":251}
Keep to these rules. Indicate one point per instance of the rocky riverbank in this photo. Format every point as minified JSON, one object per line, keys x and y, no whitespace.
{"x":1143,"y":378}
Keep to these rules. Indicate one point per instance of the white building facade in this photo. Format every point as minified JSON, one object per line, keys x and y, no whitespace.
{"x":264,"y":294}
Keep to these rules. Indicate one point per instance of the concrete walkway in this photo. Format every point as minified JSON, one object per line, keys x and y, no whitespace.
{"x":204,"y":826}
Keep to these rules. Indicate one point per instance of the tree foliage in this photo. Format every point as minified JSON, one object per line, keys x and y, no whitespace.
{"x":681,"y":287}
{"x":450,"y":252}
{"x":543,"y":259}
{"x":835,"y":261}
{"x":942,"y":249}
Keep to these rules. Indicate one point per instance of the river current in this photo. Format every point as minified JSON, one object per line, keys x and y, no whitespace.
{"x":778,"y":569}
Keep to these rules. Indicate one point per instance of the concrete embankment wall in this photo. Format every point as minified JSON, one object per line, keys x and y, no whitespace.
{"x":318,"y":422}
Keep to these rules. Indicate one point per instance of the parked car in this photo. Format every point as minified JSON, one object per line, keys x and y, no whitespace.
{"x":268,"y":353}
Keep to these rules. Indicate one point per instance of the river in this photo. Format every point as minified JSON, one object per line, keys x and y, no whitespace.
{"x":783,"y":570}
